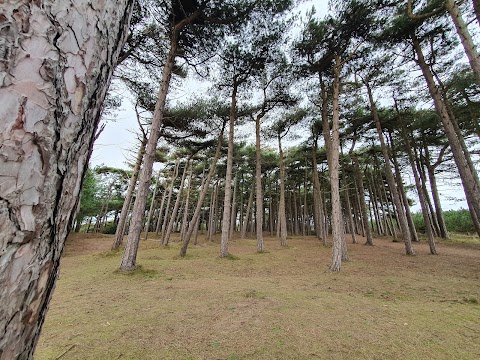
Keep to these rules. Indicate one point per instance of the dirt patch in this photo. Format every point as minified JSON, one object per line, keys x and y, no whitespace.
{"x":282,"y":304}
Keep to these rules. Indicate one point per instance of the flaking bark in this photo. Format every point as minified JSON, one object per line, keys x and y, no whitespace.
{"x":57,"y":62}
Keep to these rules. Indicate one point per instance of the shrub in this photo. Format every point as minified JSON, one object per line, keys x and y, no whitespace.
{"x":456,"y":221}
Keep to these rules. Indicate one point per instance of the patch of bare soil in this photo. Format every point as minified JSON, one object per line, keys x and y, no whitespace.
{"x":281,"y":304}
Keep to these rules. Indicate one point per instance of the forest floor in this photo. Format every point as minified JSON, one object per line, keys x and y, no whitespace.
{"x":282,"y":304}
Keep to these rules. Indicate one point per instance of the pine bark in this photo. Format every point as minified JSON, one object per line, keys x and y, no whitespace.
{"x":55,"y":70}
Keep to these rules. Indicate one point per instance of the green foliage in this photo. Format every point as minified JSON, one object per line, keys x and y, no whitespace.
{"x":456,"y":221}
{"x":89,"y":203}
{"x":111,"y":228}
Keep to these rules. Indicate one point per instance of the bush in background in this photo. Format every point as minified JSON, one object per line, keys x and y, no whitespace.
{"x":456,"y":221}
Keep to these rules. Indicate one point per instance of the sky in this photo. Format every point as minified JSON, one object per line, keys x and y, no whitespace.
{"x":115,"y":145}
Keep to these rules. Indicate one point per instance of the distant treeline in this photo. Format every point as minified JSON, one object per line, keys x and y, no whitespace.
{"x":456,"y":221}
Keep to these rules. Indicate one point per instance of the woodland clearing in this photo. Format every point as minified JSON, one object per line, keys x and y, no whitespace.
{"x":281,"y":304}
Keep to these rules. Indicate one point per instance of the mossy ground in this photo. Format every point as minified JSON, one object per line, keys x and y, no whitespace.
{"x":284,"y":304}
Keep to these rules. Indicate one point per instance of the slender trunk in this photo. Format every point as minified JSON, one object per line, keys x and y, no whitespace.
{"x":337,"y":228}
{"x":187,"y":207}
{"x":228,"y":177}
{"x":423,"y":182}
{"x":401,"y":190}
{"x":467,"y":174}
{"x":160,"y":212}
{"x":233,"y":219}
{"x":201,"y":196}
{"x":128,"y":262}
{"x":363,"y":206}
{"x":152,"y":204}
{"x":420,"y":191}
{"x":348,"y":209}
{"x":128,"y":198}
{"x":436,"y":197}
{"x":177,"y":204}
{"x":282,"y":215}
{"x":167,"y":216}
{"x":317,"y":197}
{"x":258,"y":186}
{"x":402,"y":219}
{"x":465,"y":37}
{"x":243,"y":231}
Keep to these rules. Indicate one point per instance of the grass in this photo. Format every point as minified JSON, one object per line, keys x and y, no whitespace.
{"x":284,"y":304}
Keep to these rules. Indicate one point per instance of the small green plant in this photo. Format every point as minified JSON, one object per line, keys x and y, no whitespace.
{"x":139,"y":271}
{"x":230,"y":257}
{"x":254,"y":294}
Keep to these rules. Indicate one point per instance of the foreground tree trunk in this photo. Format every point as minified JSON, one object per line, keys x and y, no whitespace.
{"x":55,"y":70}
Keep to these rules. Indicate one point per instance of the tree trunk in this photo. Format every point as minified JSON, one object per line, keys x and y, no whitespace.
{"x":476,"y":9}
{"x":243,"y":231}
{"x":465,"y":37}
{"x":359,"y":179}
{"x":177,"y":204}
{"x":436,"y":197}
{"x":401,"y":190}
{"x":282,"y":213}
{"x":402,"y":219}
{"x":348,"y":209}
{"x":317,"y":197}
{"x":128,"y":198}
{"x":468,"y":176}
{"x":420,"y":191}
{"x":201,"y":197}
{"x":152,"y":204}
{"x":233,"y":218}
{"x":160,"y":212}
{"x":168,"y":216}
{"x":56,"y":68}
{"x":258,"y":186}
{"x":228,"y":177}
{"x":128,"y":262}
{"x":333,"y":167}
{"x":187,"y":207}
